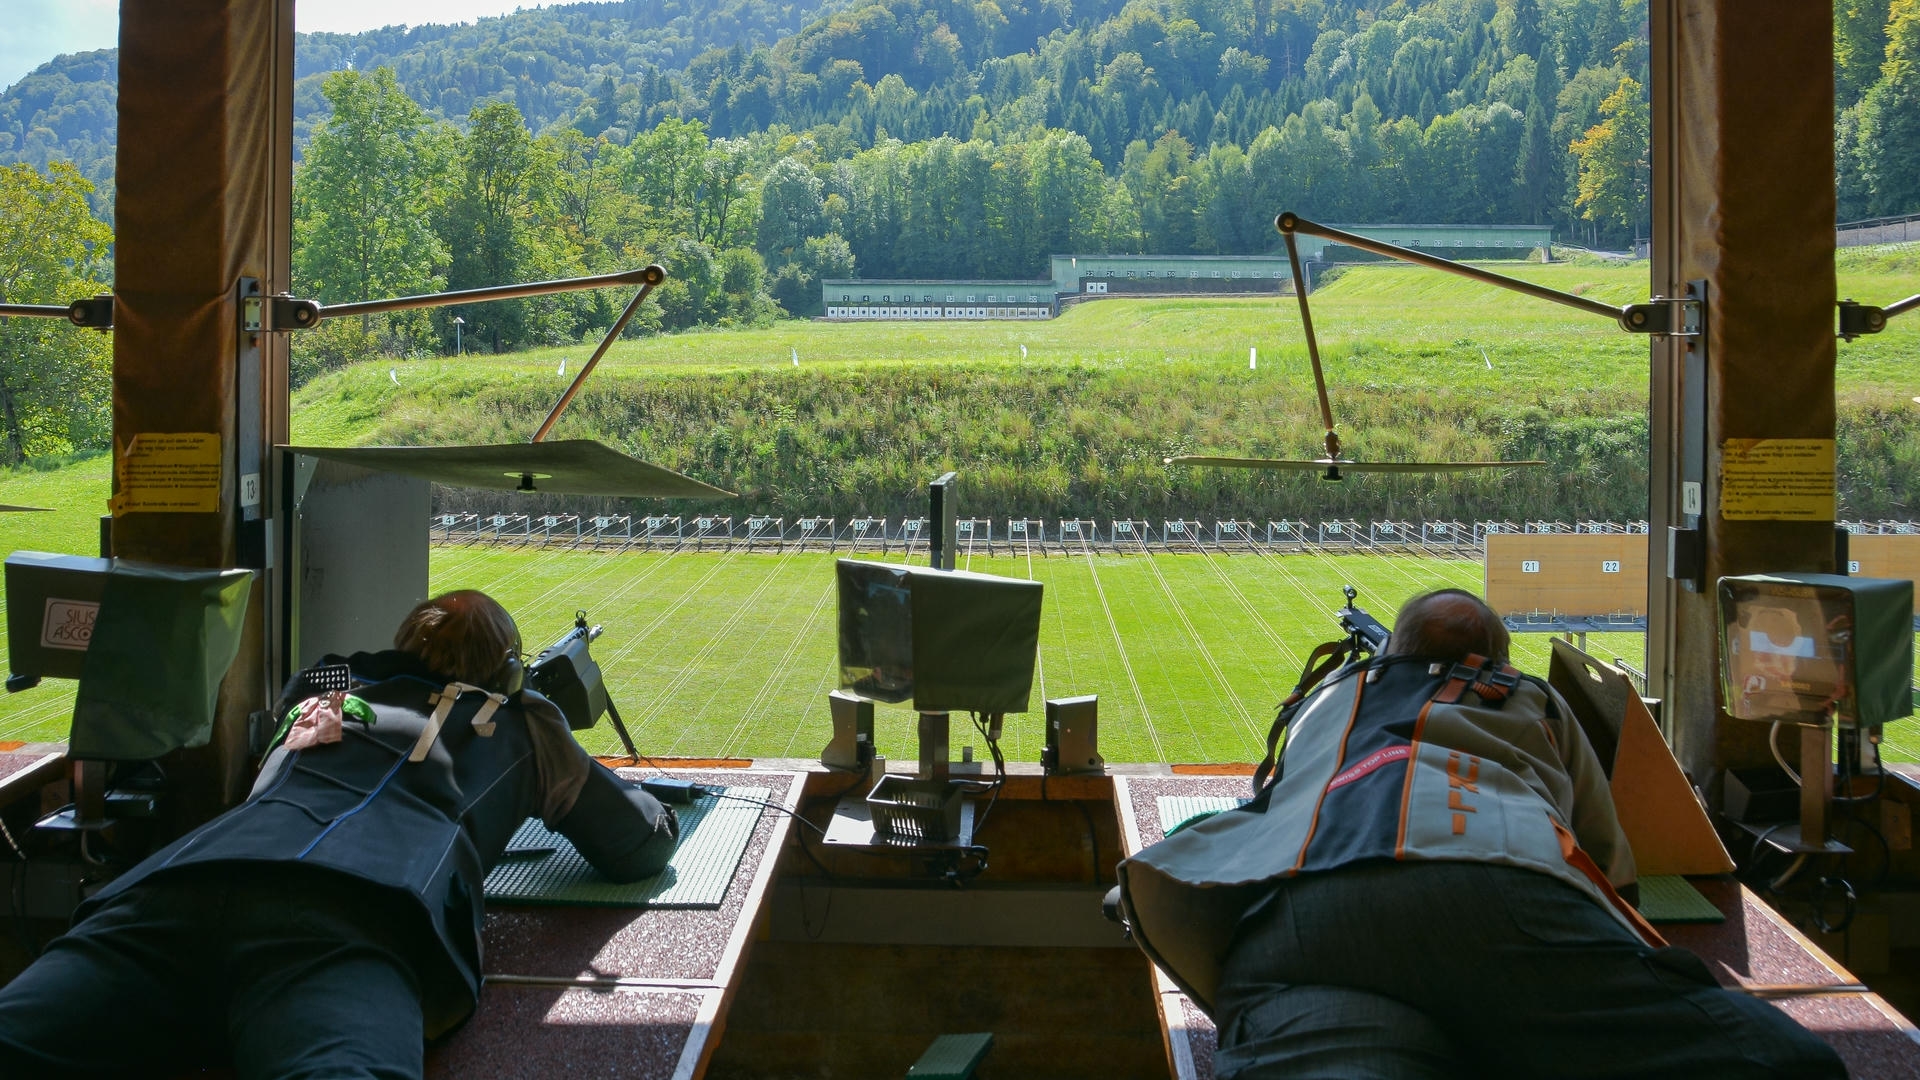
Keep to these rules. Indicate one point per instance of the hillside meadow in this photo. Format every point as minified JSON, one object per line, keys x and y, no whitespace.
{"x":1422,"y":367}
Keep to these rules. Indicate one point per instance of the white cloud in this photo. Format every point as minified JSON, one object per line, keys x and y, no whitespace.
{"x":33,"y":32}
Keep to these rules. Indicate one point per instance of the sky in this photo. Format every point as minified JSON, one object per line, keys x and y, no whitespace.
{"x":33,"y":32}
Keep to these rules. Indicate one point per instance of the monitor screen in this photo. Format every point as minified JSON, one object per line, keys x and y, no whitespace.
{"x":876,"y":631}
{"x":1786,"y":652}
{"x":1803,"y":647}
{"x":944,"y":640}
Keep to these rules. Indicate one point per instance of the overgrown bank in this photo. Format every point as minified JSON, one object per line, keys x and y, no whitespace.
{"x":1081,"y":440}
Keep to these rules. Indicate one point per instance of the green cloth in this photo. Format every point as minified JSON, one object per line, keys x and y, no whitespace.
{"x":161,"y":645}
{"x":352,"y":708}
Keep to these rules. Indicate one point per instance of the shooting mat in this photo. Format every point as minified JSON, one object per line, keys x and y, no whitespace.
{"x":542,"y":867}
{"x":1670,"y":898}
{"x":1177,"y":810}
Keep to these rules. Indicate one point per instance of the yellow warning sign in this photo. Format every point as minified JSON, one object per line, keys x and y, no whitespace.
{"x":169,"y":472}
{"x":1776,"y":480}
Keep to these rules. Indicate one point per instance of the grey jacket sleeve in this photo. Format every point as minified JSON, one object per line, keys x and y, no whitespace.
{"x":623,"y":831}
{"x":1592,"y":817}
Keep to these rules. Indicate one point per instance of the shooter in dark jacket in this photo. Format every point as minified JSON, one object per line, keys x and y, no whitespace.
{"x":329,"y":924}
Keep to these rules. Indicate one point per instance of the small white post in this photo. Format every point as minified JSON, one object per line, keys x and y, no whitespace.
{"x":1253,"y":359}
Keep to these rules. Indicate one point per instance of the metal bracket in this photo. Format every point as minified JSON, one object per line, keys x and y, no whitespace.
{"x":291,"y":313}
{"x":1668,"y":316}
{"x":95,"y":313}
{"x":277,"y":314}
{"x":1858,"y":319}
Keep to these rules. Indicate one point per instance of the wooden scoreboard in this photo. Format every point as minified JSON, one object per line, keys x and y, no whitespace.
{"x":1571,"y":574}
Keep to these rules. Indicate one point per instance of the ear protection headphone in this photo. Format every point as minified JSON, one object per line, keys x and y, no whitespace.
{"x":512,"y":677}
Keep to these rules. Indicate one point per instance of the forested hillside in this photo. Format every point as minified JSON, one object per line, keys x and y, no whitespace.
{"x":555,"y":64}
{"x":1436,"y":110}
{"x":756,"y":147}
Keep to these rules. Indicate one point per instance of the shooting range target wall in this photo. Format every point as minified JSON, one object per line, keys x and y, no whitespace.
{"x":1579,"y":575}
{"x":1884,"y":556}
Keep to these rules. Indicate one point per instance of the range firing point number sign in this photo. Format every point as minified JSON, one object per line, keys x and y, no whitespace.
{"x":1610,"y":566}
{"x":1853,"y":566}
{"x":1530,"y":566}
{"x":1333,"y":527}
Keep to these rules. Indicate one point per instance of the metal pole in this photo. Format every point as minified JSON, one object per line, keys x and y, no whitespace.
{"x":1902,"y":306}
{"x":1289,"y":223}
{"x":36,"y":311}
{"x":1313,"y":347}
{"x":651,"y":276}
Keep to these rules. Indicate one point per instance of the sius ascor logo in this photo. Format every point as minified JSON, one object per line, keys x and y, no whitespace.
{"x":68,"y":624}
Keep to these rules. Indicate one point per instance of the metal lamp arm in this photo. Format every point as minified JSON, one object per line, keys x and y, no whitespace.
{"x":93,"y":312}
{"x":646,"y":275}
{"x":652,"y":275}
{"x":1649,"y":318}
{"x":295,"y":314}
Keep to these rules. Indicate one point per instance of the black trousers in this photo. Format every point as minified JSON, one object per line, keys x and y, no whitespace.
{"x":1465,"y":970}
{"x":288,"y":973}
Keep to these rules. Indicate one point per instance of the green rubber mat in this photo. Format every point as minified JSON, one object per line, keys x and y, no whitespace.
{"x":1179,"y":811}
{"x":1671,"y":898}
{"x":542,"y":867}
{"x":952,"y":1057}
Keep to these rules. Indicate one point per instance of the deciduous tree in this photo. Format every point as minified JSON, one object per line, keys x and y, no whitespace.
{"x":55,"y":381}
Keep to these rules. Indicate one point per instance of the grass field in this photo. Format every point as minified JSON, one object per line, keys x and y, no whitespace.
{"x":733,"y":654}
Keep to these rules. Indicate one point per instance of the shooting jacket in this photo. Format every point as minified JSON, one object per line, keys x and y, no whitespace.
{"x":430,"y":829}
{"x":1398,"y":758}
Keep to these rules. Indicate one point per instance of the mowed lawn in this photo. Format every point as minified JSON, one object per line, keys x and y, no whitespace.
{"x":733,"y":654}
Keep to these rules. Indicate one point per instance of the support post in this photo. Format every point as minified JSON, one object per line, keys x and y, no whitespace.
{"x":1743,"y":206}
{"x":935,"y":729}
{"x":202,"y":208}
